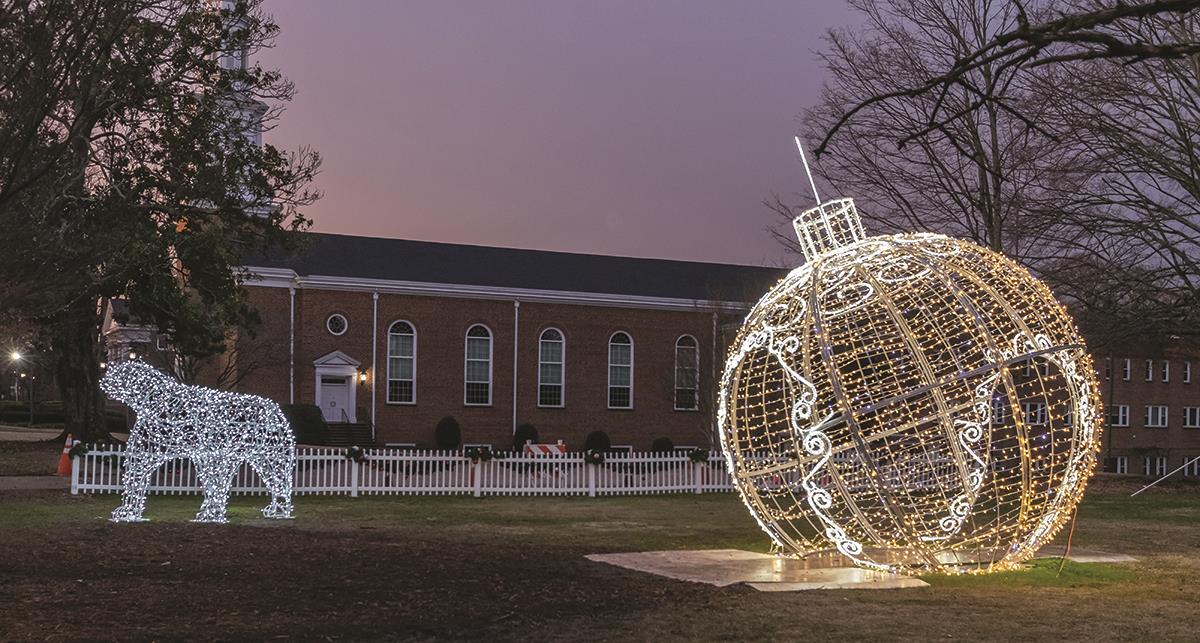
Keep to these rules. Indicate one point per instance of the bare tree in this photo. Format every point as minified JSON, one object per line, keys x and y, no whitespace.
{"x":1077,"y":31}
{"x":1140,"y":212}
{"x":993,"y":175}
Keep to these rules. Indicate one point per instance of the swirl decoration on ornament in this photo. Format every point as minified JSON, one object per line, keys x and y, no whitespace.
{"x":970,"y":432}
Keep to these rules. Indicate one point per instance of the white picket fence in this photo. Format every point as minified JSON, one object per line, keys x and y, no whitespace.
{"x":390,"y":471}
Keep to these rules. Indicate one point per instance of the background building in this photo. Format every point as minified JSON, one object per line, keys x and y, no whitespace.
{"x":1153,"y":405}
{"x":395,"y":334}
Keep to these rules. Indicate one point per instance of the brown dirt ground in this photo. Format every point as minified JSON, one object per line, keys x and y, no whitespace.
{"x":423,"y":568}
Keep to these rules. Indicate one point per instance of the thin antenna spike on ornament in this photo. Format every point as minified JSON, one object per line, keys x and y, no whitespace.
{"x":807,"y":171}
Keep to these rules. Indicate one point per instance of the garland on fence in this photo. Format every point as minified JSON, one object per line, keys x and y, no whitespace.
{"x":78,"y":451}
{"x":481,"y":454}
{"x":592,"y":456}
{"x":356,"y":454}
{"x":698,"y":456}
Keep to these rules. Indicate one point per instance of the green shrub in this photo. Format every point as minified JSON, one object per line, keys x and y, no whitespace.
{"x":307,"y":423}
{"x":447,"y":434}
{"x":662,"y":445}
{"x":597,"y":441}
{"x":524,"y":433}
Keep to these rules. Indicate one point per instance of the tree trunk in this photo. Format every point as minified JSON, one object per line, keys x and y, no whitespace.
{"x":75,"y":343}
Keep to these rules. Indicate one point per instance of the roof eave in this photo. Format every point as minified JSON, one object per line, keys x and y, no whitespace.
{"x":270,"y":277}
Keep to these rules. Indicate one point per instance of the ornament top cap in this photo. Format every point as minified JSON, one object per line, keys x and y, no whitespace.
{"x":831,"y":225}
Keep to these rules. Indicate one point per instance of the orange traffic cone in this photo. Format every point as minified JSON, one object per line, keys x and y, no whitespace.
{"x":64,"y":461}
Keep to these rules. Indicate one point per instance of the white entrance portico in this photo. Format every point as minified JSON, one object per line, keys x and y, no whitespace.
{"x":335,"y":392}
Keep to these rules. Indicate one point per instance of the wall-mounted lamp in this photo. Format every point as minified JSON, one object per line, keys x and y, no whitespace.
{"x":132,"y":354}
{"x":362,"y":376}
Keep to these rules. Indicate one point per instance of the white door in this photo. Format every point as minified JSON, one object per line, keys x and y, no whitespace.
{"x":335,"y":398}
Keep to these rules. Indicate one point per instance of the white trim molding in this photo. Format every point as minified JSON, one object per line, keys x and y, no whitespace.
{"x":339,"y":364}
{"x":264,"y":277}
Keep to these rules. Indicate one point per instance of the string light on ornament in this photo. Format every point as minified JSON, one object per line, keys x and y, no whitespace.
{"x":913,"y":402}
{"x":218,"y":431}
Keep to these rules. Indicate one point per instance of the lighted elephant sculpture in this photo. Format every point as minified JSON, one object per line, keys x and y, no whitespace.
{"x":217,"y":431}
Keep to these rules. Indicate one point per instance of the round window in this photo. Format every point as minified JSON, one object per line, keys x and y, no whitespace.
{"x":336,"y":324}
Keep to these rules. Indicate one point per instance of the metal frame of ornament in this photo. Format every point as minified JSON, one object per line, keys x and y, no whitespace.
{"x":856,"y":406}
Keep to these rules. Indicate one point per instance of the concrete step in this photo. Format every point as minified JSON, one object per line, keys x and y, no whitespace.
{"x":344,"y":434}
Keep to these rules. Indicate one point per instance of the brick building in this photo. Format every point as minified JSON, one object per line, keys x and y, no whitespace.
{"x":1153,"y":405}
{"x":397,"y":334}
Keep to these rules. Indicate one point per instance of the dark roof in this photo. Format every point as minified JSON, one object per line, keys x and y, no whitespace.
{"x":339,"y":255}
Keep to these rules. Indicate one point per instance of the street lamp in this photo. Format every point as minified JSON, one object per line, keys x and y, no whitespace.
{"x":16,"y":356}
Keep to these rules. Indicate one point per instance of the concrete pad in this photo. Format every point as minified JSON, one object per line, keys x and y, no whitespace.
{"x":1085,"y":555}
{"x":849,"y":581}
{"x":763,"y":572}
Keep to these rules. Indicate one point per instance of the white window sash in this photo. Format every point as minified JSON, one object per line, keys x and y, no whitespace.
{"x":561,"y":385}
{"x":467,"y":360}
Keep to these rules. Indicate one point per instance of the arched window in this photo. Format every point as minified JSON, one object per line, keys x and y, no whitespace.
{"x":402,"y":364}
{"x":687,"y":373}
{"x":620,"y":371}
{"x":551,"y":364}
{"x":477,"y":389}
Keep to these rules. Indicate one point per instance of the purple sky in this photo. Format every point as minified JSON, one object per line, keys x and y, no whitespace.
{"x":631,"y":127}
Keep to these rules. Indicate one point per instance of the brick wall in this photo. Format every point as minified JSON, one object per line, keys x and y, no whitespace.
{"x":441,"y":324}
{"x":1137,"y":441}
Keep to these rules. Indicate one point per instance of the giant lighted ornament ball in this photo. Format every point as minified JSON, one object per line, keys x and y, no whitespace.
{"x":217,"y":431}
{"x":913,"y":402}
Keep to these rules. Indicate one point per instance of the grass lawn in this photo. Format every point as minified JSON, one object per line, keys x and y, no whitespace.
{"x":399,"y":567}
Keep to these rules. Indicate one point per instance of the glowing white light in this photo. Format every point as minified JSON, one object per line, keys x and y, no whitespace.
{"x":873,"y":403}
{"x":217,"y":430}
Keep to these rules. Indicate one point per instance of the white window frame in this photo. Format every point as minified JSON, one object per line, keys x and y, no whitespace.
{"x":1191,"y":417}
{"x":1127,"y":371}
{"x":608,"y":390}
{"x":1154,"y":465}
{"x":476,"y":445}
{"x":1149,"y":370}
{"x":1108,"y":367}
{"x":160,"y":342}
{"x":696,"y":391}
{"x":345,"y":320}
{"x":1038,"y":410}
{"x":562,"y":363}
{"x":1162,"y":411}
{"x":620,"y":448}
{"x":387,"y":390}
{"x":490,"y":360}
{"x":1031,"y":366}
{"x":1166,"y":371}
{"x":1191,"y":469}
{"x":1187,"y":372}
{"x":1122,"y":464}
{"x":1122,"y":415}
{"x":1001,"y":411}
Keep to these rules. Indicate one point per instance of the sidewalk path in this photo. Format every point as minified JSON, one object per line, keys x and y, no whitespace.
{"x":12,"y":433}
{"x":28,"y":483}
